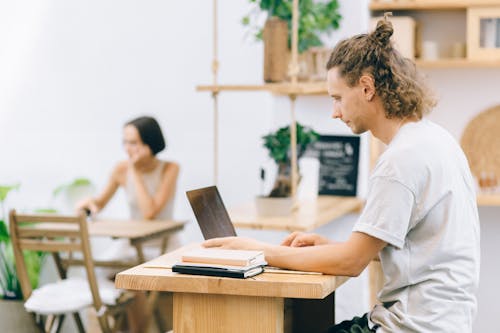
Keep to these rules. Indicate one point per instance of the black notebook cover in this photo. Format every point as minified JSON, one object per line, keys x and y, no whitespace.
{"x":213,"y":271}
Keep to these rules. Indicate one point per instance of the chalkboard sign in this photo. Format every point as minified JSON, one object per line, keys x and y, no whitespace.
{"x":339,"y":160}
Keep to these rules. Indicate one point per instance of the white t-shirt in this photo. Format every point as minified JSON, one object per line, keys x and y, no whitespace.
{"x":422,"y":202}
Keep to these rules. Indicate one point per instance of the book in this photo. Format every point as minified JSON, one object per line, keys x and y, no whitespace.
{"x":240,"y":258}
{"x":217,"y":271}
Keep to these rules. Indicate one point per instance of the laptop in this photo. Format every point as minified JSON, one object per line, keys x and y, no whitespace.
{"x":214,"y":220}
{"x":210,"y":212}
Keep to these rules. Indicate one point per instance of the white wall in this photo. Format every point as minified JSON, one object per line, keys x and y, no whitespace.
{"x":71,"y":73}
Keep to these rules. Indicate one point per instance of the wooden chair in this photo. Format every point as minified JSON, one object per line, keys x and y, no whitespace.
{"x":52,"y":302}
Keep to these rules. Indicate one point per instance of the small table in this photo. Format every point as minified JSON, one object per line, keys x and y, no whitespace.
{"x":268,"y":302}
{"x":137,"y":232}
{"x":308,"y":215}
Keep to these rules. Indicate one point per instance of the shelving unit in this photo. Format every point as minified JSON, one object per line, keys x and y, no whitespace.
{"x":298,"y":89}
{"x":294,"y":89}
{"x":419,"y":8}
{"x":457,"y":63}
{"x":488,"y":199}
{"x":309,"y":215}
{"x":424,"y":8}
{"x":429,"y":4}
{"x":306,"y":215}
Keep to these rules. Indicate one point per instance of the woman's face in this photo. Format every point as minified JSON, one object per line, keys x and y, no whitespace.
{"x":134,"y":147}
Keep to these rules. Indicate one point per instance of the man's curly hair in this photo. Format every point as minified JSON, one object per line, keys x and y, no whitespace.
{"x":397,"y":82}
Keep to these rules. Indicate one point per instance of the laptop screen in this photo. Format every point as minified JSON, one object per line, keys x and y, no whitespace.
{"x":210,"y":212}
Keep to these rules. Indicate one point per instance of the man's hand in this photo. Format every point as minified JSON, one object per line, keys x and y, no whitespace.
{"x":235,"y":243}
{"x":299,"y":239}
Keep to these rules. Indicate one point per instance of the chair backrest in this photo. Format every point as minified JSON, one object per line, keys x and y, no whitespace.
{"x":56,"y":234}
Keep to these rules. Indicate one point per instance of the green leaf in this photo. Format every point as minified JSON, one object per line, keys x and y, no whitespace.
{"x":9,"y":281}
{"x":76,"y":183}
{"x":315,"y":18}
{"x":46,"y":210}
{"x":4,"y":233}
{"x":5,"y":189}
{"x":278,"y":143}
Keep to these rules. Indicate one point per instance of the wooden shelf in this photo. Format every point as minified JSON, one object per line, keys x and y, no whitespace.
{"x":488,"y":199}
{"x":308,"y":216}
{"x":457,"y":63}
{"x":301,"y":88}
{"x":320,"y":88}
{"x":429,"y":4}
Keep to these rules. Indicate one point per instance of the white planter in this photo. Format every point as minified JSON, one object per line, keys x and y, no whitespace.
{"x":267,"y":206}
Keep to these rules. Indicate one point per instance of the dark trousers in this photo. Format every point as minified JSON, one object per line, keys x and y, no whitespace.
{"x":356,"y":325}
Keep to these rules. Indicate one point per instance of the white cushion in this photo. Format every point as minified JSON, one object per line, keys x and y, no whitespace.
{"x":68,"y":296}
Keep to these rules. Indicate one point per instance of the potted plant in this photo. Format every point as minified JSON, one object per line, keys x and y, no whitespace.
{"x":315,"y":19}
{"x":279,"y":201}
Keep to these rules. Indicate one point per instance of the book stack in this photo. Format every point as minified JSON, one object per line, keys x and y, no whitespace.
{"x":218,"y":262}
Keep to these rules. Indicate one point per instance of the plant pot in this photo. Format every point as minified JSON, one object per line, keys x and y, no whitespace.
{"x":268,"y":207}
{"x":275,"y":36}
{"x":14,"y":318}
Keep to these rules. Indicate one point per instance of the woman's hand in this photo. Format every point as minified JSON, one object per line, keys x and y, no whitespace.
{"x":89,"y":205}
{"x":140,"y":153}
{"x":299,"y":239}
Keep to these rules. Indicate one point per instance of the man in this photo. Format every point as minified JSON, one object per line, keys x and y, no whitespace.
{"x":420,"y":216}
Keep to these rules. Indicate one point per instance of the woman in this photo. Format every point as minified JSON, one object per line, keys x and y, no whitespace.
{"x":149,"y":183}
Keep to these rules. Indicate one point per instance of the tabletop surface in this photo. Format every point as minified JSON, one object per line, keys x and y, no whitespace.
{"x":308,"y":216}
{"x":157,"y":275}
{"x":130,"y":228}
{"x":120,"y":228}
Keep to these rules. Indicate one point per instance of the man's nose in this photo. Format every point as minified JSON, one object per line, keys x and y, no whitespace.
{"x":336,"y":112}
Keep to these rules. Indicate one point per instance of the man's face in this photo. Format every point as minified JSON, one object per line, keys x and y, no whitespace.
{"x":349,"y":103}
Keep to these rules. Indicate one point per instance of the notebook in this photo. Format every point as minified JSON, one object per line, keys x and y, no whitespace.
{"x":216,"y":271}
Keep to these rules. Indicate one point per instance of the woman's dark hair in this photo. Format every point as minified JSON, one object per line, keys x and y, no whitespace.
{"x":150,"y":133}
{"x":397,"y":82}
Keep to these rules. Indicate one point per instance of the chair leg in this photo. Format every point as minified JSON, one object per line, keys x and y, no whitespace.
{"x":38,"y":323}
{"x":78,"y":322}
{"x":103,"y":322}
{"x":152,"y":303}
{"x":60,"y":321}
{"x":49,"y":323}
{"x":159,"y":320}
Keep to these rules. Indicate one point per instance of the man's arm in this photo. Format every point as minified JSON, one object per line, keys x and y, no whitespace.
{"x":347,"y":258}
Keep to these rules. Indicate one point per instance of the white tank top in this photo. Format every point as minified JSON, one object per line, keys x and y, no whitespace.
{"x":152,"y":180}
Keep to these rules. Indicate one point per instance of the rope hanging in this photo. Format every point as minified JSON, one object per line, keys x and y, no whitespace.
{"x":215,"y":93}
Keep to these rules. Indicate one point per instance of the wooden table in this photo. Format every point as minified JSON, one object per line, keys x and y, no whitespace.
{"x":269,"y":302}
{"x":308,"y":216}
{"x":137,"y":232}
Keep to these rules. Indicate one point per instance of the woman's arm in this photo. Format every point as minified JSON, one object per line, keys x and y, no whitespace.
{"x":149,"y":205}
{"x":94,"y":205}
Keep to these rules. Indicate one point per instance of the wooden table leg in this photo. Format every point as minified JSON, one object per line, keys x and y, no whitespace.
{"x":227,"y":313}
{"x":140,"y":253}
{"x":163,"y":246}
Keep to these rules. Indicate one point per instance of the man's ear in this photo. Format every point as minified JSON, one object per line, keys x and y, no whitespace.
{"x":367,"y":83}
